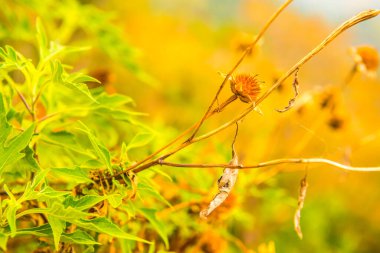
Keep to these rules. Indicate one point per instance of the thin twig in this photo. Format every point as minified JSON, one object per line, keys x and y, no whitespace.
{"x":276,"y":162}
{"x":28,"y":108}
{"x":222,"y":106}
{"x":23,"y":99}
{"x":350,"y":76}
{"x":246,"y":52}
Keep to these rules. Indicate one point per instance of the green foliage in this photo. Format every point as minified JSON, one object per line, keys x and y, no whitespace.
{"x":54,"y":150}
{"x":73,"y":17}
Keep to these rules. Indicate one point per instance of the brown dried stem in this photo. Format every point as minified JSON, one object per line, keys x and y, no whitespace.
{"x":276,"y":162}
{"x":209,"y":113}
{"x":221,"y":107}
{"x":346,"y":25}
{"x":246,"y":52}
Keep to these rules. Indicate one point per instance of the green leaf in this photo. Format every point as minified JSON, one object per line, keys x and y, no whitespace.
{"x":79,"y":237}
{"x":162,"y":173}
{"x":11,"y":153}
{"x":146,"y":188}
{"x":76,"y":174}
{"x":57,"y":210}
{"x":84,"y":202}
{"x":113,"y":101}
{"x":115,"y":200}
{"x":65,"y":140}
{"x":11,"y":210}
{"x":38,"y":178}
{"x":81,"y":88}
{"x":5,"y":128}
{"x":99,"y":148}
{"x":57,"y":226}
{"x":150,"y":214}
{"x":81,"y":78}
{"x":30,"y":160}
{"x":3,"y":241}
{"x":140,"y":139}
{"x":11,"y":53}
{"x":152,"y":248}
{"x":57,"y":71}
{"x":103,"y":225}
{"x":57,"y":49}
{"x":41,"y":231}
{"x":29,"y":192}
{"x":89,"y":250}
{"x":62,"y":78}
{"x":49,"y":193}
{"x":42,"y":39}
{"x":123,"y":153}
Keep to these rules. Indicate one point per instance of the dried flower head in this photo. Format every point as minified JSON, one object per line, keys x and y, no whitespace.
{"x":246,"y":87}
{"x":366,"y":59}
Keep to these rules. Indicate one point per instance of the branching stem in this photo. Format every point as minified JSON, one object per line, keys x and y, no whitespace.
{"x":276,"y":162}
{"x":335,"y":33}
{"x":246,"y":52}
{"x":209,"y":111}
{"x":346,"y":25}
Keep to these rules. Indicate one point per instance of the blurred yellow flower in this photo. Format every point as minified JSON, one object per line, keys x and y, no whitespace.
{"x":266,"y":248}
{"x":366,"y":59}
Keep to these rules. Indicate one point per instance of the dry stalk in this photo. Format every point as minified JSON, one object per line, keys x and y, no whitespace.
{"x":209,"y":111}
{"x":277,"y":162}
{"x":365,"y":15}
{"x":246,"y":52}
{"x":142,"y":165}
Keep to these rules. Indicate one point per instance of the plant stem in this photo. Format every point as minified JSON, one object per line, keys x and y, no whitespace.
{"x":276,"y":162}
{"x":346,"y":25}
{"x":209,"y":113}
{"x":246,"y":52}
{"x":221,"y":107}
{"x":23,"y":99}
{"x":349,"y":76}
{"x":349,"y":23}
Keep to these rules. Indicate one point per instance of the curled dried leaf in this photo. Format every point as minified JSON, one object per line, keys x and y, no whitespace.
{"x":296,"y":93}
{"x":225,"y":185}
{"x":301,"y":201}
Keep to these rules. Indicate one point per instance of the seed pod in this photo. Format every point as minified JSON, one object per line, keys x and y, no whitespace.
{"x":246,"y":87}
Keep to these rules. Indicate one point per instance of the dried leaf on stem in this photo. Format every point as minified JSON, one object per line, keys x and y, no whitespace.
{"x":225,"y":183}
{"x":301,"y":201}
{"x":296,"y":93}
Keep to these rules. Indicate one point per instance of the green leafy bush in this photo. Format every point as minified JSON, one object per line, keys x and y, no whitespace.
{"x":48,"y":109}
